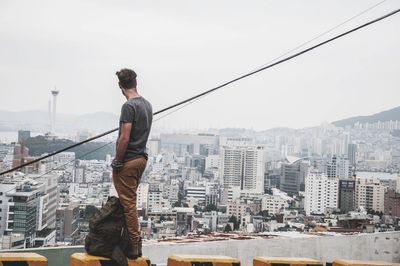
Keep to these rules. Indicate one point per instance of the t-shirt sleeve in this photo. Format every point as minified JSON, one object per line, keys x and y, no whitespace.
{"x":127,"y":113}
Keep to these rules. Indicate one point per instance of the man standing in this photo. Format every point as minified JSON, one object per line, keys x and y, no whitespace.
{"x":131,"y":157}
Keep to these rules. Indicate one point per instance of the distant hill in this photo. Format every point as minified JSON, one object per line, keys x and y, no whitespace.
{"x":39,"y":121}
{"x":39,"y":145}
{"x":392,"y":114}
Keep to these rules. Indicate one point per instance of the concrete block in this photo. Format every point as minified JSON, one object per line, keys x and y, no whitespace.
{"x":340,"y":262}
{"x":202,"y":260}
{"x":271,"y":261}
{"x":26,"y":259}
{"x":84,"y":259}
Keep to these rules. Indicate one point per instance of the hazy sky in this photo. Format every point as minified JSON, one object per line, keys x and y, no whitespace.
{"x":180,"y":48}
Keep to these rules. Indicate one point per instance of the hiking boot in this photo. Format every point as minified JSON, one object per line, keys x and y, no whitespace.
{"x":135,"y":249}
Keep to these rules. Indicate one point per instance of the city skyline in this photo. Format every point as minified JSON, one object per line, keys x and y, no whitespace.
{"x":236,"y":183}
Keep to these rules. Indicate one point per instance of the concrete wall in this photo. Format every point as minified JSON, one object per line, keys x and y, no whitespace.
{"x":379,"y":246}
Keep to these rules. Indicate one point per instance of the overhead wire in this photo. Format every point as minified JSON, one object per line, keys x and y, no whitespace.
{"x":293,"y":49}
{"x":324,"y":33}
{"x":191,"y":99}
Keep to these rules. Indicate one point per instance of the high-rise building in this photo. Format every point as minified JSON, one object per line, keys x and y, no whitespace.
{"x":347,"y":190}
{"x":338,"y":167}
{"x":212,"y":161}
{"x":48,"y":203}
{"x":142,"y":195}
{"x":23,"y":136}
{"x":20,"y":152}
{"x":392,"y":203}
{"x":243,"y":167}
{"x":67,"y":218}
{"x":211,"y":199}
{"x":271,"y":180}
{"x":79,"y":175}
{"x":370,"y":194}
{"x":5,"y":187}
{"x":171,"y":192}
{"x":293,"y":173}
{"x":231,"y":166}
{"x":321,"y":193}
{"x":6,"y":156}
{"x":180,"y":144}
{"x":22,"y":211}
{"x":208,"y":149}
{"x":198,"y":162}
{"x":154,"y":146}
{"x":351,"y":154}
{"x":31,"y":209}
{"x":236,"y":142}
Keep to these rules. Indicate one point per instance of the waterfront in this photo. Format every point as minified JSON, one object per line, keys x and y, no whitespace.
{"x":12,"y":136}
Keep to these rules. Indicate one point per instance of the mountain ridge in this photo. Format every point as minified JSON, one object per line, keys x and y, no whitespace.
{"x":387,"y":115}
{"x":39,"y":121}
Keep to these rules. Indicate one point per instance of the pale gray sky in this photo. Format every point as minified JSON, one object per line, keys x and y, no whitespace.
{"x":180,"y":48}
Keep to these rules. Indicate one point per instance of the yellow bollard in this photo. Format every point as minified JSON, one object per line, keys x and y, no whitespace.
{"x":283,"y":261}
{"x":362,"y":263}
{"x":202,"y":260}
{"x":84,"y":259}
{"x":27,"y":259}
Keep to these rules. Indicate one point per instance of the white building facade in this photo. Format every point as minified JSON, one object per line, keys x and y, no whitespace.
{"x":370,"y":194}
{"x":321,"y":193}
{"x":243,"y":167}
{"x":274,"y":204}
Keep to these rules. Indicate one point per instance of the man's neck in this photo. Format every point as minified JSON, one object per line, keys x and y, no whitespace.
{"x":129,"y":94}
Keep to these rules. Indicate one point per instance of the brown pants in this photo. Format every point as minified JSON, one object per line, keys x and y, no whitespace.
{"x":126,"y":182}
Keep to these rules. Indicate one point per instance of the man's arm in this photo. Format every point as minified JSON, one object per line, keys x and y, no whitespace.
{"x":123,"y":140}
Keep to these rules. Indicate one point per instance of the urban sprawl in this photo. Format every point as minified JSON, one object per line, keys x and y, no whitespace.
{"x":230,"y":183}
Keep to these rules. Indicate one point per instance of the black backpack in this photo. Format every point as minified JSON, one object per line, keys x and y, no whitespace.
{"x":108,"y":236}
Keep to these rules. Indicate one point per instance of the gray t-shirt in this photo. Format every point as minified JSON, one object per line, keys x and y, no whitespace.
{"x":139,"y":112}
